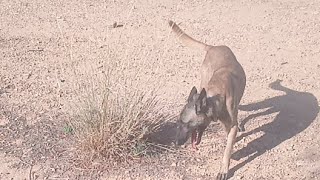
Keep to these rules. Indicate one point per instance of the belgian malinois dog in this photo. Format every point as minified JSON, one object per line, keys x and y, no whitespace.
{"x":223,"y":81}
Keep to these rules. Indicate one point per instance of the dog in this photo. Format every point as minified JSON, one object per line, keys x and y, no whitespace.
{"x":223,"y":81}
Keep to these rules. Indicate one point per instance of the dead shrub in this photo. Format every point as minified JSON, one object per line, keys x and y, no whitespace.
{"x":114,"y":115}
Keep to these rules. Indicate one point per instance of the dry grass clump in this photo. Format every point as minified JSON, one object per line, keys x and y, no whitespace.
{"x":114,"y":116}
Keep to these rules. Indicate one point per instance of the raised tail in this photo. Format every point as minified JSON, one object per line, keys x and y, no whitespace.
{"x":186,"y":39}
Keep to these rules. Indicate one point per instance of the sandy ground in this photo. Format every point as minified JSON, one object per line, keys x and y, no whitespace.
{"x":42,"y":44}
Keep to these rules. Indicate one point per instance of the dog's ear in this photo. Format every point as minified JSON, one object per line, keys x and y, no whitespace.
{"x":201,"y":104}
{"x":203,"y":97}
{"x":192,"y":93}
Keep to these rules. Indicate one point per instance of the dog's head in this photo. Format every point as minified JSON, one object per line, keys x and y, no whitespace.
{"x":193,"y":118}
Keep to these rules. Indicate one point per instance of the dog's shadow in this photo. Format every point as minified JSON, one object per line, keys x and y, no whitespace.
{"x":296,"y":111}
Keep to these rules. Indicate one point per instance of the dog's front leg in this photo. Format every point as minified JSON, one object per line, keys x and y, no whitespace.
{"x":223,"y":174}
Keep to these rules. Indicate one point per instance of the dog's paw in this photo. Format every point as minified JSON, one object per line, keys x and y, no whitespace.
{"x":222,"y":176}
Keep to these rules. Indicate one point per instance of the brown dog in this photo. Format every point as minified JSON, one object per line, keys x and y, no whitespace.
{"x":223,"y":81}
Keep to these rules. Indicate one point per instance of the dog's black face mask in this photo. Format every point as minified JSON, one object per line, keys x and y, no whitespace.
{"x":193,"y":119}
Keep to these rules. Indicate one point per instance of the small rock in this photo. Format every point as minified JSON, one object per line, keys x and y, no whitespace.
{"x":3,"y":120}
{"x":300,"y":163}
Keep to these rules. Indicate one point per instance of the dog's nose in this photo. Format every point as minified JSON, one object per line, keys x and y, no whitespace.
{"x":177,"y":142}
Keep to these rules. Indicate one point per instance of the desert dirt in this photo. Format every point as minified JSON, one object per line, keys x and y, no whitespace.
{"x":43,"y":44}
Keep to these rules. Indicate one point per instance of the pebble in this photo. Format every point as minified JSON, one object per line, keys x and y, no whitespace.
{"x":174,"y":164}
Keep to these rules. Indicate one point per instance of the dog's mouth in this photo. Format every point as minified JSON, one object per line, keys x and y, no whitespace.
{"x":195,"y":139}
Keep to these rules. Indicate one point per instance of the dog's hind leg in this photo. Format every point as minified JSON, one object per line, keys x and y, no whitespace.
{"x":232,"y":128}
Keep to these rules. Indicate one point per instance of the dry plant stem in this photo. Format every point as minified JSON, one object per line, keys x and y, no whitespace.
{"x":120,"y":121}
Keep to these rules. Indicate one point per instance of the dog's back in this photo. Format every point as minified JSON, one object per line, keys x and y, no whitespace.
{"x":219,"y":68}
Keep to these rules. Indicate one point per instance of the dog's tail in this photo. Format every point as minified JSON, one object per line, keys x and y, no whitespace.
{"x":186,"y":39}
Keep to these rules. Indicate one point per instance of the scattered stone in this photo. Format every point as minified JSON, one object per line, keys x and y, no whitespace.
{"x":174,"y":164}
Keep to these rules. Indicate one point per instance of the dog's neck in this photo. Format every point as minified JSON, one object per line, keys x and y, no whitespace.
{"x":214,"y":107}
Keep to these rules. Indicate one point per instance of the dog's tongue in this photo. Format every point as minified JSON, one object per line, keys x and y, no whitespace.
{"x":194,"y":139}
